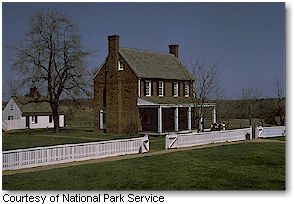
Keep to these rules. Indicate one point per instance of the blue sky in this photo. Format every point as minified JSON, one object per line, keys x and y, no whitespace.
{"x":246,"y":40}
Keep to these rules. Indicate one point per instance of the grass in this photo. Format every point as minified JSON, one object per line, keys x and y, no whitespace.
{"x":46,"y":137}
{"x":280,"y":138}
{"x":244,"y":166}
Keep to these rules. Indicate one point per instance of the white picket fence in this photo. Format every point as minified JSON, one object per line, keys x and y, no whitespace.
{"x":276,"y":131}
{"x":194,"y":139}
{"x":32,"y":157}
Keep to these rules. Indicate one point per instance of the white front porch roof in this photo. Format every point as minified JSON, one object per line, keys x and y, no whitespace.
{"x":170,"y":101}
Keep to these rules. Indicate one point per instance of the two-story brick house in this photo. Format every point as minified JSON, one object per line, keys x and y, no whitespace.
{"x":137,"y":90}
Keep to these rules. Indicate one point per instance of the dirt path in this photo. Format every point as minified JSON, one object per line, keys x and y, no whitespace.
{"x":123,"y":157}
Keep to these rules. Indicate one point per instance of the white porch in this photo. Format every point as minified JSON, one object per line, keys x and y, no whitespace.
{"x":169,"y":117}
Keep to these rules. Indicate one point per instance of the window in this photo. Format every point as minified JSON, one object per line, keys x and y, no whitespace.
{"x":35,"y":119}
{"x":161,"y":88}
{"x":186,"y":89}
{"x":50,"y":119}
{"x":175,"y":88}
{"x":10,"y":117}
{"x":11,"y":106}
{"x":120,"y":65}
{"x":148,"y":88}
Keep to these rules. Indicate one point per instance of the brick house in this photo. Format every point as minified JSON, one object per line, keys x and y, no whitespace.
{"x":137,"y":90}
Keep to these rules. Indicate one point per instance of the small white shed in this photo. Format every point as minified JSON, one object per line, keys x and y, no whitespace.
{"x":25,"y":112}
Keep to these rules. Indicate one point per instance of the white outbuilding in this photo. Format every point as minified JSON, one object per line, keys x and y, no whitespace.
{"x":28,"y":112}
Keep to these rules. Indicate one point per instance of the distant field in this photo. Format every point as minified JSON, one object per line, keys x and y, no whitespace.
{"x":46,"y":137}
{"x":244,"y":166}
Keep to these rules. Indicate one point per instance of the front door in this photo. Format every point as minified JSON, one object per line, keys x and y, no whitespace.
{"x":168,"y":119}
{"x":28,"y":122}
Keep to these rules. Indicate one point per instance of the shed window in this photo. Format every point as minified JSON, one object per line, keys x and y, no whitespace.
{"x":50,"y":119}
{"x":161,"y":88}
{"x":148,"y":88}
{"x":35,"y":119}
{"x":175,"y":88}
{"x":11,"y":106}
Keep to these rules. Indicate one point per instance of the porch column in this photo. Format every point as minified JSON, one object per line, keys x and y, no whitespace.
{"x":189,"y":118}
{"x":214,"y":114}
{"x":176,"y":118}
{"x":160,"y":119}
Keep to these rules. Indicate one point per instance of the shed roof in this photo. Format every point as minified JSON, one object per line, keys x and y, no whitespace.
{"x":150,"y":64}
{"x":31,"y":106}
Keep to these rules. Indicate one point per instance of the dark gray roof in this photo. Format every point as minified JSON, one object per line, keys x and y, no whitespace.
{"x":30,"y":106}
{"x":168,"y":100}
{"x":149,"y":64}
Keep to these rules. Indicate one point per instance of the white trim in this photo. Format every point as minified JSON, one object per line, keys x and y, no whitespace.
{"x":189,"y":118}
{"x":214,"y":114}
{"x":176,"y":119}
{"x":160,"y":120}
{"x":139,"y":87}
{"x":102,"y":123}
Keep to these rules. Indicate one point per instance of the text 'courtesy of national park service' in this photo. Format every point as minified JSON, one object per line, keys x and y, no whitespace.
{"x":78,"y":198}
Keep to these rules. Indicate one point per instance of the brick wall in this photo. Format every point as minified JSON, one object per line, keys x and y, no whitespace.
{"x":168,"y":87}
{"x":116,"y":91}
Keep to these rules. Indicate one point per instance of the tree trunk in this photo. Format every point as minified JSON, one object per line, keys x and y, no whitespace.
{"x":55,"y":116}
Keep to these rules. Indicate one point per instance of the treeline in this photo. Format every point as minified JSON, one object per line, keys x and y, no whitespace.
{"x":269,"y":111}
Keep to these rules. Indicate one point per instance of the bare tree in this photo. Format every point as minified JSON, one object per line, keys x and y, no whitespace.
{"x":51,"y":57}
{"x":280,"y":100}
{"x":249,"y":96}
{"x":206,"y":84}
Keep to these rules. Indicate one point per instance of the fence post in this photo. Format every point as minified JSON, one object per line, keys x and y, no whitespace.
{"x":169,"y":143}
{"x":145,"y":144}
{"x":166,"y":142}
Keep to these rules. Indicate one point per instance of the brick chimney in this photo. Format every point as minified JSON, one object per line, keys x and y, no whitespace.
{"x":112,"y":84}
{"x":33,"y":93}
{"x":113,"y":44}
{"x":173,"y":49}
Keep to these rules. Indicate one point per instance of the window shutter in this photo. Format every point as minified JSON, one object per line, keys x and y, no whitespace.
{"x":172,"y":89}
{"x":158,"y":87}
{"x":164,"y":88}
{"x":151,"y":88}
{"x":179,"y":88}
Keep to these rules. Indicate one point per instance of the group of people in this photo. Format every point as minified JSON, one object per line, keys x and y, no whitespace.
{"x":217,"y":126}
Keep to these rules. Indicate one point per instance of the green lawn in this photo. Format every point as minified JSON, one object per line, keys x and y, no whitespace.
{"x":244,"y":166}
{"x":46,"y":137}
{"x":281,"y":138}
